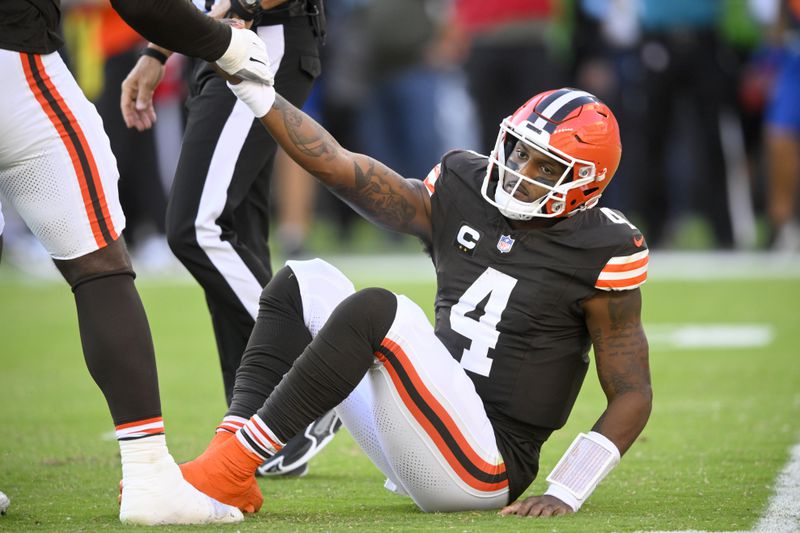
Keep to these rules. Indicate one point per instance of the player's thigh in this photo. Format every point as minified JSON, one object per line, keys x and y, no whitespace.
{"x":429,"y":421}
{"x":56,"y":164}
{"x":322,"y":287}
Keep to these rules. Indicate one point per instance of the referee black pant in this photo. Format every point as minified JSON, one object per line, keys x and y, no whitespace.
{"x":218,"y":211}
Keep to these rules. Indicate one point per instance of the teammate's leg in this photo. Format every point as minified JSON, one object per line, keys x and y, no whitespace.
{"x":119,"y":354}
{"x":58,"y":171}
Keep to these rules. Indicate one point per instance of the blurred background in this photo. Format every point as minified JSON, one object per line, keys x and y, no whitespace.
{"x":707,"y":93}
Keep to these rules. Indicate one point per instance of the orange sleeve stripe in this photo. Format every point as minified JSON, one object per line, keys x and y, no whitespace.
{"x":431,"y":178}
{"x":626,"y":266}
{"x":628,"y":283}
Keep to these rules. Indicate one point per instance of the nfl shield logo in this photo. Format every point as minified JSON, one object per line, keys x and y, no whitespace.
{"x":505,"y":243}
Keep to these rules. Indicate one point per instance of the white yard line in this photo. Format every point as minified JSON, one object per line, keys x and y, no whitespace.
{"x":697,"y":336}
{"x":783,"y":513}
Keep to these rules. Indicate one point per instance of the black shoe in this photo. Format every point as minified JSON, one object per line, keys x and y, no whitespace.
{"x":292,"y":460}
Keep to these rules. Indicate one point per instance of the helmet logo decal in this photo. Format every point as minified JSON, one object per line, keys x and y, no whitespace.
{"x":505,"y":243}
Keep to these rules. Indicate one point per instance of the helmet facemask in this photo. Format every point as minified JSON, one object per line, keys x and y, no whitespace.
{"x":578,"y":173}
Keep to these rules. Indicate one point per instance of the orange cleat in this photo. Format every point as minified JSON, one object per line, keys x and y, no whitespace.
{"x":226,"y":472}
{"x":219,"y":438}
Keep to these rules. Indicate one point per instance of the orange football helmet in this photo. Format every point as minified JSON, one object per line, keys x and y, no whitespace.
{"x":575,"y":129}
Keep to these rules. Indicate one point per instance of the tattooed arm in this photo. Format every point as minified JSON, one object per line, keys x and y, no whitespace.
{"x":374,"y":190}
{"x":621,"y":354}
{"x":620,"y":347}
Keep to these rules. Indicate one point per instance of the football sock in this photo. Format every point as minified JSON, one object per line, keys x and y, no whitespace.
{"x":140,"y":429}
{"x":328,"y":369}
{"x":231,"y":424}
{"x":117,"y":346}
{"x":277,"y":340}
{"x":257,"y":438}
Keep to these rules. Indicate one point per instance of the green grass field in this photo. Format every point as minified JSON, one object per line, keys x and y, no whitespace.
{"x":723,"y":421}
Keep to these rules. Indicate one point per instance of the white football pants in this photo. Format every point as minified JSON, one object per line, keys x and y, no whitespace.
{"x":416,"y":413}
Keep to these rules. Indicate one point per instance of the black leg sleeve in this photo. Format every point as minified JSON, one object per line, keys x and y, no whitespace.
{"x":277,"y":340}
{"x":117,"y":345}
{"x":333,"y":364}
{"x":176,"y":25}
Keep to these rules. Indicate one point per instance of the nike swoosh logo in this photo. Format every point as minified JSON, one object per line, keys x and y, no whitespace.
{"x":257,"y":61}
{"x":638,"y":241}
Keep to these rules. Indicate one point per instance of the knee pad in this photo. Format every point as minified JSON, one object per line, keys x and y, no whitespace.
{"x":322,"y":288}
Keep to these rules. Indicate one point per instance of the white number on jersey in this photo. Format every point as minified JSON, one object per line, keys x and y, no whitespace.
{"x":482,"y":333}
{"x":617,"y":218}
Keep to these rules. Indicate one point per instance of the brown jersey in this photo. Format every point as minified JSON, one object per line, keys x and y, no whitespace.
{"x":508,"y":303}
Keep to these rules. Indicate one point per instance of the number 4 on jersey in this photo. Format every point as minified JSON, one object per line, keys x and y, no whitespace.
{"x":482,"y":332}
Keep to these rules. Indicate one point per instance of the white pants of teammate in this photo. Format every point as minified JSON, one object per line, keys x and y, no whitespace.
{"x":416,"y":413}
{"x":56,"y":165}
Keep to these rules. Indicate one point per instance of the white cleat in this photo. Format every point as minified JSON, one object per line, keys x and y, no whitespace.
{"x":155,"y":493}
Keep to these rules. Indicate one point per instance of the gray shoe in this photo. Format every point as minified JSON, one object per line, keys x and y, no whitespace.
{"x":292,"y":460}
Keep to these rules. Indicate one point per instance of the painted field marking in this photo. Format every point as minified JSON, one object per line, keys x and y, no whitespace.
{"x":693,"y":336}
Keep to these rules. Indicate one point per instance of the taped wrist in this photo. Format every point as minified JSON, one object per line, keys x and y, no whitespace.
{"x":258,"y":97}
{"x":587,"y":461}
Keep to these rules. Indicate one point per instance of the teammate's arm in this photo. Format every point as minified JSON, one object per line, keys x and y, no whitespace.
{"x":374,"y":190}
{"x":176,"y":25}
{"x":613,"y":320}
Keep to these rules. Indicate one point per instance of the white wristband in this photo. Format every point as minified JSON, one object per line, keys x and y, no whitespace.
{"x":258,"y":97}
{"x":588,"y":460}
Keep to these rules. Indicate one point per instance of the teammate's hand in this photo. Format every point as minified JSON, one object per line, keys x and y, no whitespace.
{"x":537,"y":506}
{"x":246,"y":57}
{"x":137,"y":93}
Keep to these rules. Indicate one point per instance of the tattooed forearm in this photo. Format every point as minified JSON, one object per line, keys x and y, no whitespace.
{"x":308,"y":137}
{"x":375,"y":196}
{"x":371,"y":188}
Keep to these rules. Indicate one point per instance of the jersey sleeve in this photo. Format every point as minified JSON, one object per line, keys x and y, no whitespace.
{"x":431,"y":179}
{"x":624,"y":272}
